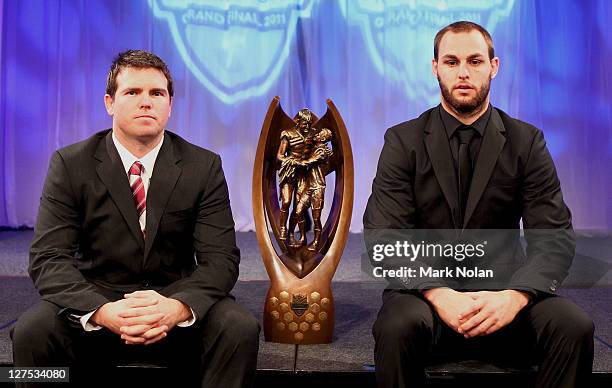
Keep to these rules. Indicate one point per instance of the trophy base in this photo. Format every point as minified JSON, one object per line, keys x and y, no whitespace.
{"x":299,"y":315}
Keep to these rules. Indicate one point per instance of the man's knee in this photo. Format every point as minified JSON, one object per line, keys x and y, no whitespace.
{"x":245,"y":328}
{"x":235,"y":323}
{"x":34,"y":330}
{"x":403,"y":318}
{"x":400,"y":326}
{"x":566,"y":320}
{"x":574,"y":325}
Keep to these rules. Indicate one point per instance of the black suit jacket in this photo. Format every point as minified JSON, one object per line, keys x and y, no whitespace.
{"x":88,"y":248}
{"x":514,"y":178}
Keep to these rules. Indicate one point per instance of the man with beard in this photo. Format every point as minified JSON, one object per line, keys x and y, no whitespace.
{"x":466,"y":165}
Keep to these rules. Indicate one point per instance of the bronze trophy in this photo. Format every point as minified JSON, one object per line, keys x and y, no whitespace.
{"x":294,"y":156}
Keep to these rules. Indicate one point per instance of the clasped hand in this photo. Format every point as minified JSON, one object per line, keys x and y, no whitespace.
{"x":142,"y":317}
{"x":476,"y":313}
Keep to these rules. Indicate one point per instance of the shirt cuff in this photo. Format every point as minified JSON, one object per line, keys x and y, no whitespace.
{"x":88,"y":326}
{"x":188,"y":322}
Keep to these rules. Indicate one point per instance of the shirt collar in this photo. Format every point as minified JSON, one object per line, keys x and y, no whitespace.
{"x":148,"y":161}
{"x":451,"y":123}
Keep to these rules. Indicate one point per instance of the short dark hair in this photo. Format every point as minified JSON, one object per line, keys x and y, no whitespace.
{"x":139,"y":59}
{"x":464,"y":26}
{"x":304,"y":115}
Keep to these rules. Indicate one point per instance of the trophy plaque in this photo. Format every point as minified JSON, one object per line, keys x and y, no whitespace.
{"x":294,"y":157}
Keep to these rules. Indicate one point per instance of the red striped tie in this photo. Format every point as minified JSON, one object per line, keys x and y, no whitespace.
{"x":138,"y":190}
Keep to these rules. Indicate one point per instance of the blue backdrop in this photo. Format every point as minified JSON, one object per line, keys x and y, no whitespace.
{"x":230,"y":58}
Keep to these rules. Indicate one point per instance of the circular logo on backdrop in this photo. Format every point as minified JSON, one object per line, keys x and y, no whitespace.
{"x":235,"y":49}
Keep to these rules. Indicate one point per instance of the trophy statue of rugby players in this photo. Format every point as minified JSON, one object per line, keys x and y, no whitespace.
{"x":295,"y":158}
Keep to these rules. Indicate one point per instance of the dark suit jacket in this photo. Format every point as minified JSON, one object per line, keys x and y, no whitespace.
{"x":514,"y":178}
{"x":88,"y":248}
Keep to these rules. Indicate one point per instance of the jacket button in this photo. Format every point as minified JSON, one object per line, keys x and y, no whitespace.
{"x":553,"y":288}
{"x":554,"y":282}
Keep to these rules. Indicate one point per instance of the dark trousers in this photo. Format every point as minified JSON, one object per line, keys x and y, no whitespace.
{"x":220,"y":350}
{"x":552,"y":333}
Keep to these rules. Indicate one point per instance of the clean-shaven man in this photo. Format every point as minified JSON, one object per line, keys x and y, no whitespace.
{"x":134,"y":252}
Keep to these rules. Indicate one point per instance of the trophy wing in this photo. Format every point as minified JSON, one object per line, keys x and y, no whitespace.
{"x":265,"y":193}
{"x":336,"y":228}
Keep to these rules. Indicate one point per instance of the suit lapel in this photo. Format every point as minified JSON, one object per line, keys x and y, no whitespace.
{"x":163,"y":181}
{"x":438,"y":148}
{"x":111,"y":172}
{"x":492,"y":144}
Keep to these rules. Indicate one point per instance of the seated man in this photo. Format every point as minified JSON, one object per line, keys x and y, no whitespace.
{"x":134,"y":245}
{"x":466,"y":165}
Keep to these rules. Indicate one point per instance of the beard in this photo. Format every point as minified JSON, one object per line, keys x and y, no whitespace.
{"x":466,"y":106}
